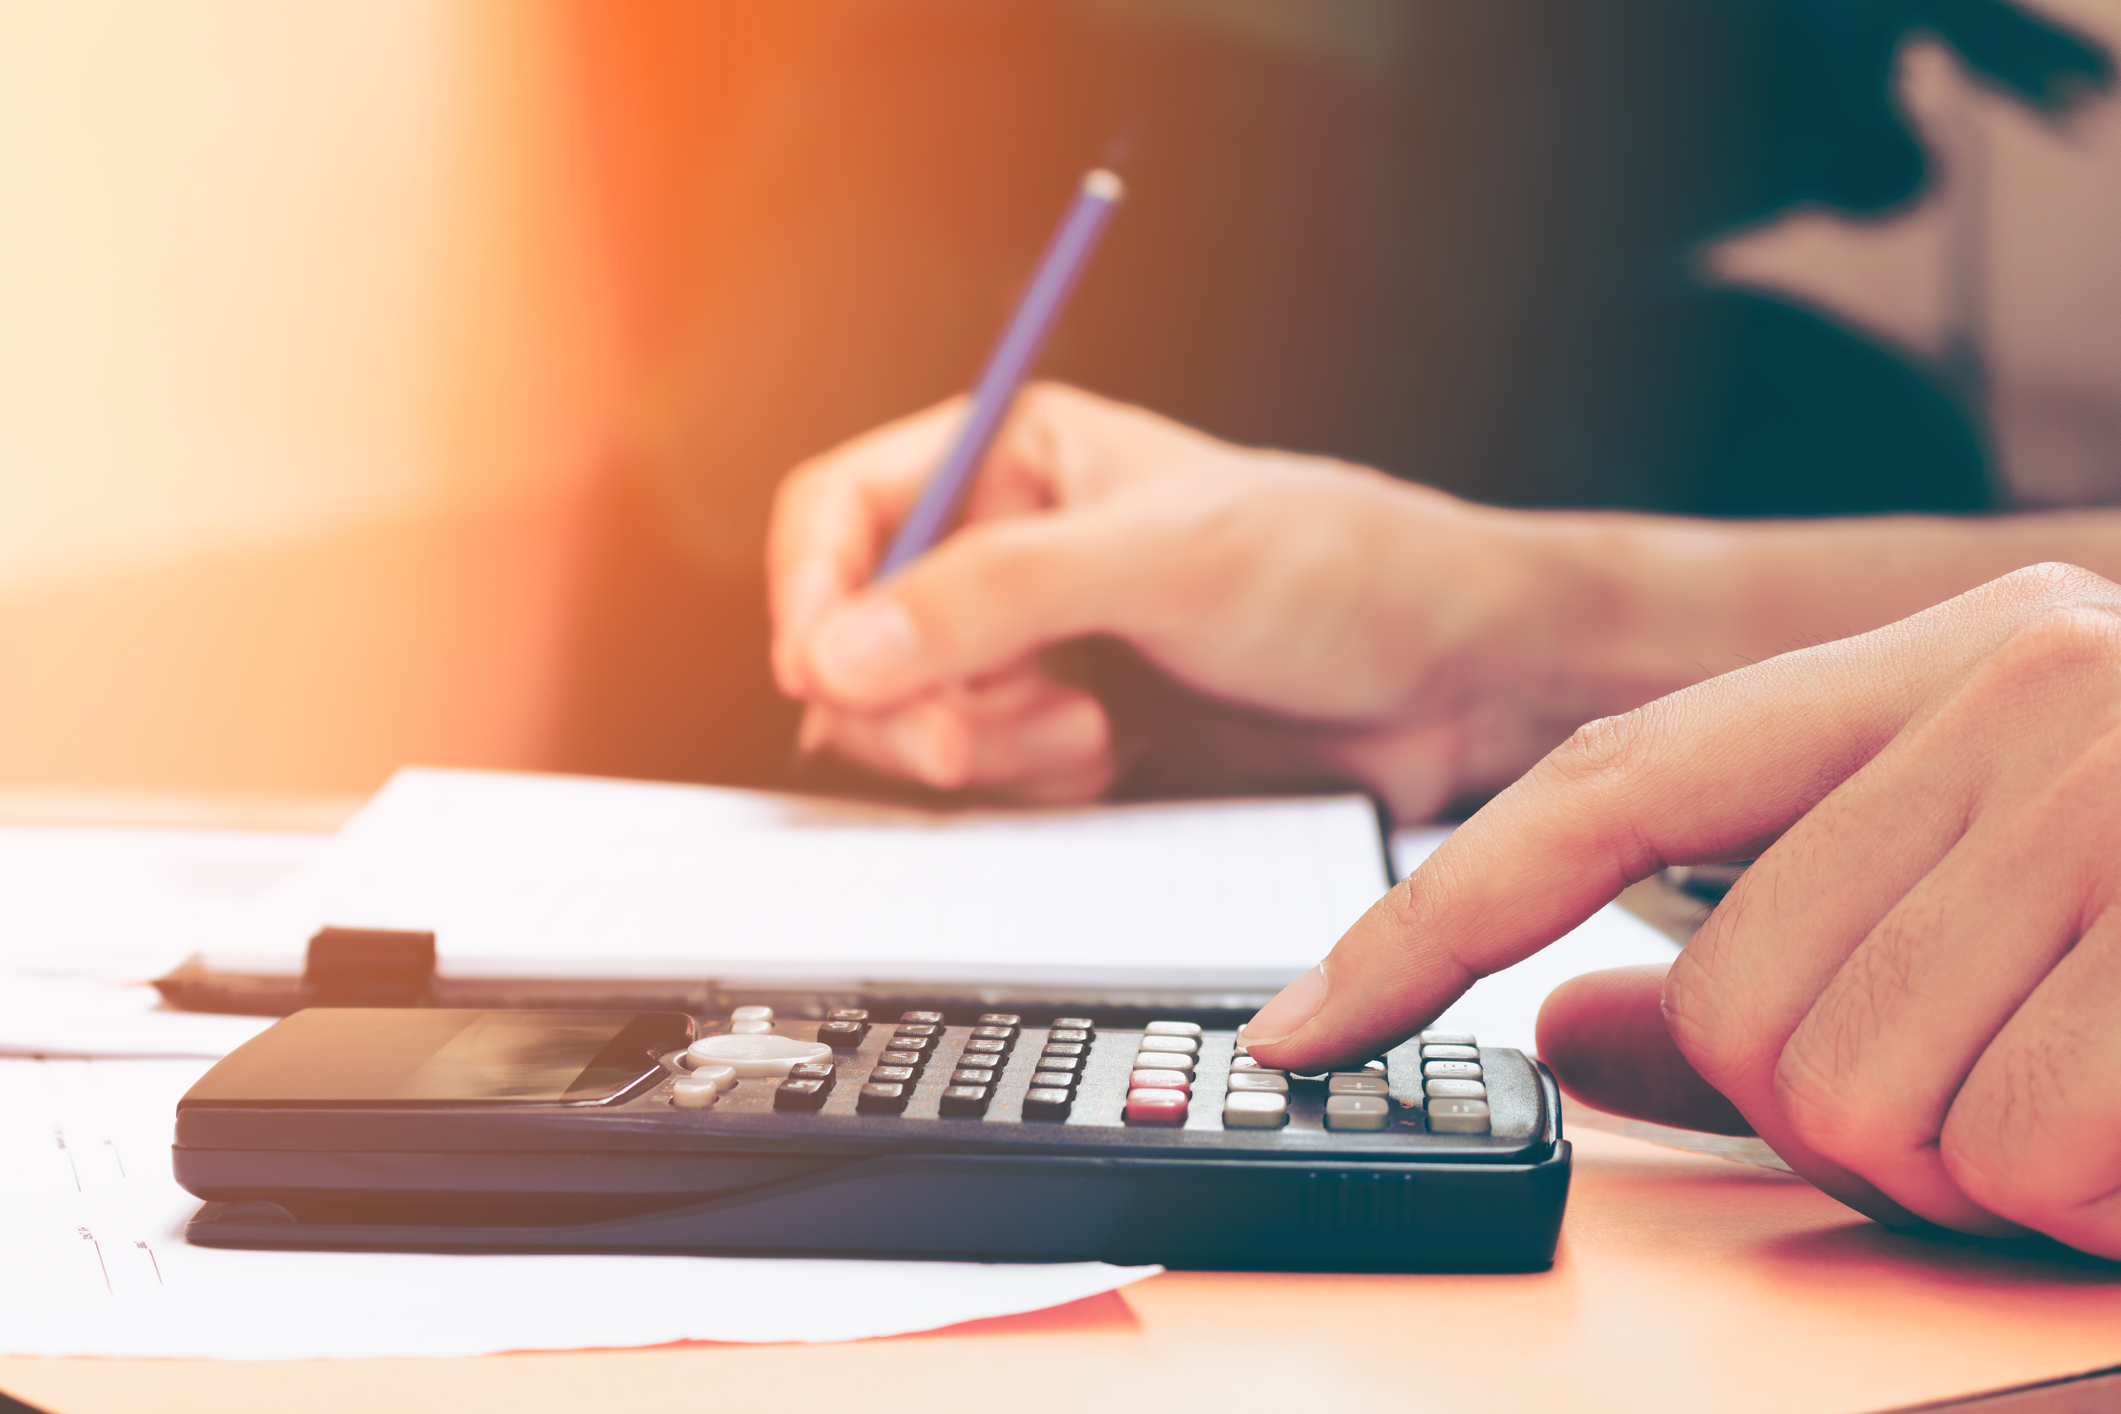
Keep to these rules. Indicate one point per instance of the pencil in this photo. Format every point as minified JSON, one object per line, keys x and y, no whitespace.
{"x":1009,"y":363}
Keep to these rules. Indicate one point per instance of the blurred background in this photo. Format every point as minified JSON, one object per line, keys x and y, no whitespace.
{"x":406,"y":380}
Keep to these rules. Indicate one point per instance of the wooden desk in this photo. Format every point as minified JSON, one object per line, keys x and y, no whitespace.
{"x":1684,"y":1283}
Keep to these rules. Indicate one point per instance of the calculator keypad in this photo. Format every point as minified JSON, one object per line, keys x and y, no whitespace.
{"x":1167,"y":1075}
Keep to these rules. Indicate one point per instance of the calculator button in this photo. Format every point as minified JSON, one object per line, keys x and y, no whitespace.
{"x":1471,"y":1053}
{"x":1258,"y":1082}
{"x":1458,"y":1116}
{"x":1156,"y":1106}
{"x":813,"y":1070}
{"x":895,"y":1074}
{"x":1064,"y":1048}
{"x":723,"y":1076}
{"x":901,"y":1060}
{"x":1075,"y":1023}
{"x":750,"y":1026}
{"x":1069,"y":1033}
{"x":1448,"y":1038}
{"x":882,"y":1098}
{"x":1046,"y":1103}
{"x":1173,"y":1028}
{"x":692,"y":1093}
{"x":753,"y":1056}
{"x":1000,"y":1018}
{"x":918,"y":1031}
{"x":986,"y":1048}
{"x":1004,"y":1034}
{"x":971,"y":1077}
{"x":1055,"y":1080}
{"x":1243,"y":1063}
{"x":841,"y":1035}
{"x":1159,"y":1080}
{"x":1455,"y":1089}
{"x":966,"y":1100}
{"x":1163,"y":1060}
{"x":1361,"y":1082}
{"x":752,"y":1013}
{"x":910,"y":1043}
{"x":1255,"y":1109}
{"x":800,"y":1094}
{"x":1182,"y":1045}
{"x":848,"y":1013}
{"x":1060,"y":1063}
{"x":1450,"y":1070}
{"x":1358,"y":1112}
{"x":921,"y":1018}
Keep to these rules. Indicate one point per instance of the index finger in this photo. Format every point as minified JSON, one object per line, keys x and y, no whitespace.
{"x":831,"y":516}
{"x":1711,"y":773}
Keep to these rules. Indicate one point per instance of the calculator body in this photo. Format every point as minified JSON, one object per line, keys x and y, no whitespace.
{"x":417,"y":1129}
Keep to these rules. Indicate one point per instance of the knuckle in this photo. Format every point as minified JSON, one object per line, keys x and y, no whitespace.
{"x":1694,"y":1015}
{"x":1828,"y":1113}
{"x":1608,"y":753}
{"x":2015,"y":1106}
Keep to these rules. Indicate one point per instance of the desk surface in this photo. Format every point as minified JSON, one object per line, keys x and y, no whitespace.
{"x":1684,"y":1282}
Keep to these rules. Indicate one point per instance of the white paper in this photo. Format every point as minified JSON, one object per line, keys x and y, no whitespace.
{"x":624,"y":878}
{"x":95,"y":1263}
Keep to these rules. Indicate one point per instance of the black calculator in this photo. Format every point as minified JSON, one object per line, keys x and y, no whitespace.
{"x":917,"y":1134}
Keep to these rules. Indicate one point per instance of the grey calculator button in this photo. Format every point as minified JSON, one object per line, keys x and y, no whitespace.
{"x":1064,"y":1048}
{"x":1360,"y":1082}
{"x":1448,"y":1038}
{"x":1173,"y":1028}
{"x":1075,"y":1034}
{"x":1458,"y":1116}
{"x":1358,"y":1112}
{"x":1258,"y":1082}
{"x":968,"y":1076}
{"x":1053,"y":1080}
{"x":1450,"y":1070}
{"x":1255,"y":1109}
{"x":1455,"y":1089}
{"x":1471,"y":1053}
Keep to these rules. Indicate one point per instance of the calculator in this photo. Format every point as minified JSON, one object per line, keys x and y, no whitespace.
{"x":918,"y":1134}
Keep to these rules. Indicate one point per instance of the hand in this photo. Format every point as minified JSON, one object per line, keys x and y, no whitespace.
{"x":1914,"y":995}
{"x":1285,"y":619}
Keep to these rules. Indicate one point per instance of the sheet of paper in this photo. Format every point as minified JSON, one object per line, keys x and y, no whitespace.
{"x":95,"y":1264}
{"x":564,"y":874}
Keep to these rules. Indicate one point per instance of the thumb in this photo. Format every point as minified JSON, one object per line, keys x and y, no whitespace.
{"x":988,"y":596}
{"x":1604,"y":1036}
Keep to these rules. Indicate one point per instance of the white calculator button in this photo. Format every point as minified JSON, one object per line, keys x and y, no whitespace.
{"x":692,"y":1093}
{"x":1448,"y":1038}
{"x":723,"y":1077}
{"x":1358,"y":1082}
{"x":1455,"y":1089}
{"x":1244,"y":1063}
{"x":1259,"y":1082}
{"x":1471,"y":1053}
{"x":754,"y":1056}
{"x":1178,"y":1045}
{"x":752,"y":1013}
{"x":750,"y":1026}
{"x":1255,"y":1109}
{"x":1450,"y":1070}
{"x":1159,"y":1080}
{"x":1458,"y":1116}
{"x":1173,"y":1028}
{"x":1358,"y":1112}
{"x":1162,"y":1060}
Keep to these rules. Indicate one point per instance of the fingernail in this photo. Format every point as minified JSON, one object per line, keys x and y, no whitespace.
{"x":862,"y":645}
{"x":930,"y":748}
{"x":1288,"y":1013}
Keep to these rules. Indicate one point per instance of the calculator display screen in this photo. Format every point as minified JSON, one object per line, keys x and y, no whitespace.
{"x":399,"y":1056}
